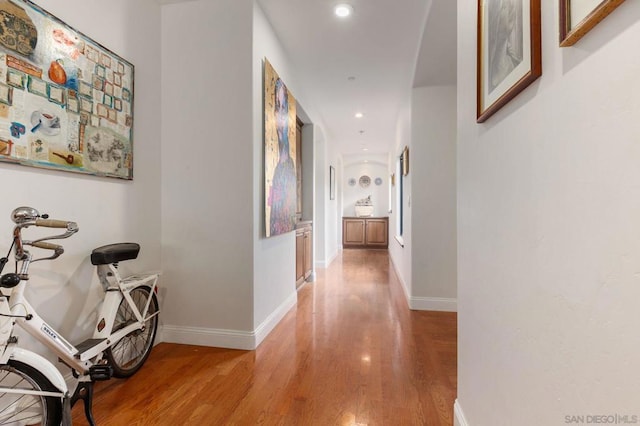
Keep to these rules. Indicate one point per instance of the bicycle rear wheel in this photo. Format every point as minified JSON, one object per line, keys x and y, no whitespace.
{"x":22,"y":409}
{"x":127,"y":355}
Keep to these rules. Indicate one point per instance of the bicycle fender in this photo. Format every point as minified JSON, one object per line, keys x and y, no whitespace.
{"x":43,"y":366}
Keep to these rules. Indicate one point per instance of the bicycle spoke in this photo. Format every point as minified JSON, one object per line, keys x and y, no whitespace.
{"x":128,"y":354}
{"x":28,"y":416}
{"x":17,"y":400}
{"x":23,"y":409}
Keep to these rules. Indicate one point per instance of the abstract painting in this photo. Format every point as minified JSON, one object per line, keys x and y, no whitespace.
{"x":279,"y":154}
{"x":66,"y":102}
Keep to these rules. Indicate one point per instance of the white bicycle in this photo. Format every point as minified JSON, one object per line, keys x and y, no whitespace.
{"x":32,"y":390}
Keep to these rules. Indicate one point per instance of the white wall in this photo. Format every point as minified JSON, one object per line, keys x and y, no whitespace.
{"x":433,"y":164}
{"x":274,"y":277}
{"x":320,"y":219}
{"x":235,"y":283}
{"x":308,"y":171}
{"x":208,"y":172}
{"x":65,"y":291}
{"x":333,"y":208}
{"x":400,"y":253}
{"x":379,"y":193}
{"x":549,"y":231}
{"x":326,"y":221}
{"x":274,"y":257}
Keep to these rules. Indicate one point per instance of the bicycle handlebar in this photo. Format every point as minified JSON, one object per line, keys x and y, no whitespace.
{"x":52,"y":223}
{"x":48,"y":246}
{"x":25,"y":217}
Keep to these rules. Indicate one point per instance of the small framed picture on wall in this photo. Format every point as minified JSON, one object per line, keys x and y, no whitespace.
{"x":509,"y":52}
{"x":332,"y":183}
{"x":405,"y":161}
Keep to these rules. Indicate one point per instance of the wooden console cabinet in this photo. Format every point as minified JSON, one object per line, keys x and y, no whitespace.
{"x":304,"y":257}
{"x":365,"y":232}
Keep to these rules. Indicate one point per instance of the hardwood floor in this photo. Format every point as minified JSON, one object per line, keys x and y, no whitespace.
{"x":350,"y":353}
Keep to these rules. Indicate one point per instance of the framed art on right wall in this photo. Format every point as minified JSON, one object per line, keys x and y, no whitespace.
{"x":577,"y":17}
{"x":509,"y":52}
{"x":404,"y":158}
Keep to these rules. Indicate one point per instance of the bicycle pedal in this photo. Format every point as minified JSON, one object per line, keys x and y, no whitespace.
{"x":100,"y":372}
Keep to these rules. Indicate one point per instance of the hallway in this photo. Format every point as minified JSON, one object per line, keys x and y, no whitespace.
{"x":350,"y":353}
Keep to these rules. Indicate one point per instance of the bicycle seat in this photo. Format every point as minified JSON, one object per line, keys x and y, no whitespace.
{"x":114,"y":253}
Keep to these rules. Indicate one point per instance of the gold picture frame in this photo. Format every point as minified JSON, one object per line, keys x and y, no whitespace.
{"x":405,"y":161}
{"x":279,"y":154}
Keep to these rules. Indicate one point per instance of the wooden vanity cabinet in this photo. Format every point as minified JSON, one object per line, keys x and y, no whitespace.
{"x":365,"y":232}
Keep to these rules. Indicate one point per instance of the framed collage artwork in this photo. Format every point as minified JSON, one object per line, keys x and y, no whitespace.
{"x":66,"y":102}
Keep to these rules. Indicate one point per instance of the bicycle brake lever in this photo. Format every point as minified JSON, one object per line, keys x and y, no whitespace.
{"x":57,"y":249}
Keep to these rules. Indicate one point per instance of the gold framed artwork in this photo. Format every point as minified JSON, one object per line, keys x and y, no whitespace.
{"x":578,"y":17}
{"x":405,"y":161}
{"x":279,"y":154}
{"x":509,"y":52}
{"x":67,"y":101}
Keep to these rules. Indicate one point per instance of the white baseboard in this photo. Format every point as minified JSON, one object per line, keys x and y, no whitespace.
{"x":458,"y":416}
{"x":433,"y":304}
{"x":272,"y":320}
{"x":325,"y":264}
{"x":231,"y":339}
{"x":399,"y":275}
{"x":333,"y":257}
{"x":425,"y":303}
{"x":159,"y":334}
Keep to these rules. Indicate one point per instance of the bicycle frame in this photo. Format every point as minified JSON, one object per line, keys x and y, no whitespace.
{"x":116,"y":289}
{"x":98,"y":358}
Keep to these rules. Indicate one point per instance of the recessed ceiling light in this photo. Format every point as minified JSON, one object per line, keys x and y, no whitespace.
{"x":366,"y":161}
{"x":365,"y":149}
{"x":343,"y":10}
{"x":359,"y":115}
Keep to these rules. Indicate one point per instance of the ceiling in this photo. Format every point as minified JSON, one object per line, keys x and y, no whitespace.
{"x":365,"y":63}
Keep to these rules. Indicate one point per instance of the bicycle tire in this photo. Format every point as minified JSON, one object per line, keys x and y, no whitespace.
{"x":129,"y":354}
{"x":27,"y":409}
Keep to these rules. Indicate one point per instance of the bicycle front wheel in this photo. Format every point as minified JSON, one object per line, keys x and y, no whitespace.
{"x":129,"y":353}
{"x":25,"y":409}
